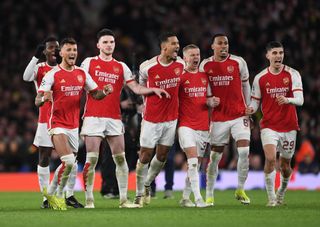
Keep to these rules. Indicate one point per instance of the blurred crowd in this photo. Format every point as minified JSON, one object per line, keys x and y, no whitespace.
{"x":249,"y":25}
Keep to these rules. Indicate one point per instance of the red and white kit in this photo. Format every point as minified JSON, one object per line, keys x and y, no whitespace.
{"x":193,"y":118}
{"x":163,"y":111}
{"x":226,"y":79}
{"x":67,"y":87}
{"x":266,"y":87}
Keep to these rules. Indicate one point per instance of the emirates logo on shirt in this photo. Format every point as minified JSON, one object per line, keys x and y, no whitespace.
{"x":80,"y":78}
{"x":204,"y":81}
{"x":230,"y":69}
{"x":285,"y":81}
{"x":177,"y":71}
{"x":116,"y":69}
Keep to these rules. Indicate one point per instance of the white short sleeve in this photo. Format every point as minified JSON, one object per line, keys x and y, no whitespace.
{"x":89,"y":83}
{"x":256,"y":92}
{"x":47,"y":81}
{"x":86,"y":64}
{"x":127,"y":74}
{"x":244,"y":72}
{"x":143,"y":74}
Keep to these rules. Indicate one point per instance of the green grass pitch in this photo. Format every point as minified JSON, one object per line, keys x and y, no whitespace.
{"x":302,"y":209}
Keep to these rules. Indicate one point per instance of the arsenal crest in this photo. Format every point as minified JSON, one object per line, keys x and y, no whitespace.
{"x":177,"y":71}
{"x":116,"y":69}
{"x":230,"y":69}
{"x":285,"y":81}
{"x":204,"y":81}
{"x":80,"y":78}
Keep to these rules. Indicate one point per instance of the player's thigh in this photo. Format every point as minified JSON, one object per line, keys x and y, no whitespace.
{"x":42,"y":137}
{"x":113,"y":127}
{"x":93,"y":126}
{"x":203,"y":140}
{"x":270,"y":140}
{"x":150,"y":134}
{"x":240,"y":129}
{"x":168,"y":133}
{"x":116,"y":143}
{"x":220,"y":133}
{"x":287,"y":144}
{"x":60,"y":139}
{"x":186,"y":137}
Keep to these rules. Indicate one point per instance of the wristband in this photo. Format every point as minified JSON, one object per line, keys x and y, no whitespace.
{"x":103,"y":91}
{"x":42,"y":99}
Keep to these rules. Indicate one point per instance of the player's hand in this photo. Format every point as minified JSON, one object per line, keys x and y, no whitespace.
{"x":47,"y":96}
{"x":160,"y":92}
{"x":213,"y":101}
{"x":39,"y":50}
{"x":281,"y":100}
{"x":108,"y":89}
{"x":249,"y":110}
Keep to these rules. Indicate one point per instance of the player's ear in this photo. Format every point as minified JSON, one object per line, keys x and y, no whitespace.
{"x":98,"y":46}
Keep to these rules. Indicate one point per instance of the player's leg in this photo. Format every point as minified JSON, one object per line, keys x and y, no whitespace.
{"x":287,"y":148}
{"x":42,"y":140}
{"x":219,"y":137}
{"x":92,"y":147}
{"x":270,"y":140}
{"x":73,"y":139}
{"x":43,"y":171}
{"x":241,"y":133}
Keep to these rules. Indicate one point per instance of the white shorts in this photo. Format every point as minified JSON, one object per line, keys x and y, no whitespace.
{"x":42,"y":137}
{"x":73,"y":136}
{"x":220,"y":132}
{"x":101,"y":126}
{"x":189,"y":137}
{"x":157,"y":133}
{"x":284,"y":141}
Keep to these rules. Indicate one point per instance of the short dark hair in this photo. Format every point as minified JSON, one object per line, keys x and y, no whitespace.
{"x":104,"y":32}
{"x":68,"y":40}
{"x":50,"y":39}
{"x":163,"y":37}
{"x":218,"y":35}
{"x":273,"y":44}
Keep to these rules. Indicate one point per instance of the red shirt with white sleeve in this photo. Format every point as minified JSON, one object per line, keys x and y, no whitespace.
{"x":67,"y":87}
{"x":39,"y":72}
{"x":193,"y":110}
{"x":167,"y":77}
{"x":225,"y":78}
{"x":106,"y":72}
{"x":266,"y":87}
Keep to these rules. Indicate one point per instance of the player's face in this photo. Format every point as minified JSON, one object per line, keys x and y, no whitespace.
{"x":192,"y":58}
{"x":220,"y":47}
{"x":50,"y":51}
{"x":275,"y":57}
{"x":69,"y":53}
{"x":171,"y":48}
{"x":106,"y":44}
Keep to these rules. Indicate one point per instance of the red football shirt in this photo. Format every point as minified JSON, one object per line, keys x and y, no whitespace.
{"x":225,"y":79}
{"x":266,"y":87}
{"x":193,"y":110}
{"x":39,"y":72}
{"x":67,"y":87}
{"x":167,"y":77}
{"x":106,"y":72}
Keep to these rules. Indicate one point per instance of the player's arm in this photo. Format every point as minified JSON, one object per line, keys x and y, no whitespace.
{"x":255,"y":98}
{"x":44,"y":93}
{"x":244,"y":75}
{"x":100,"y":94}
{"x":42,"y":97}
{"x":92,"y":87}
{"x":297,"y":90}
{"x":30,"y":71}
{"x":141,"y":90}
{"x":212,"y":101}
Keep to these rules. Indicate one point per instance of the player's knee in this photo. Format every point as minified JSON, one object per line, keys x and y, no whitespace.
{"x":44,"y":161}
{"x":271,"y":162}
{"x":119,"y":159}
{"x":68,"y":160}
{"x":145,"y":157}
{"x":243,"y":152}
